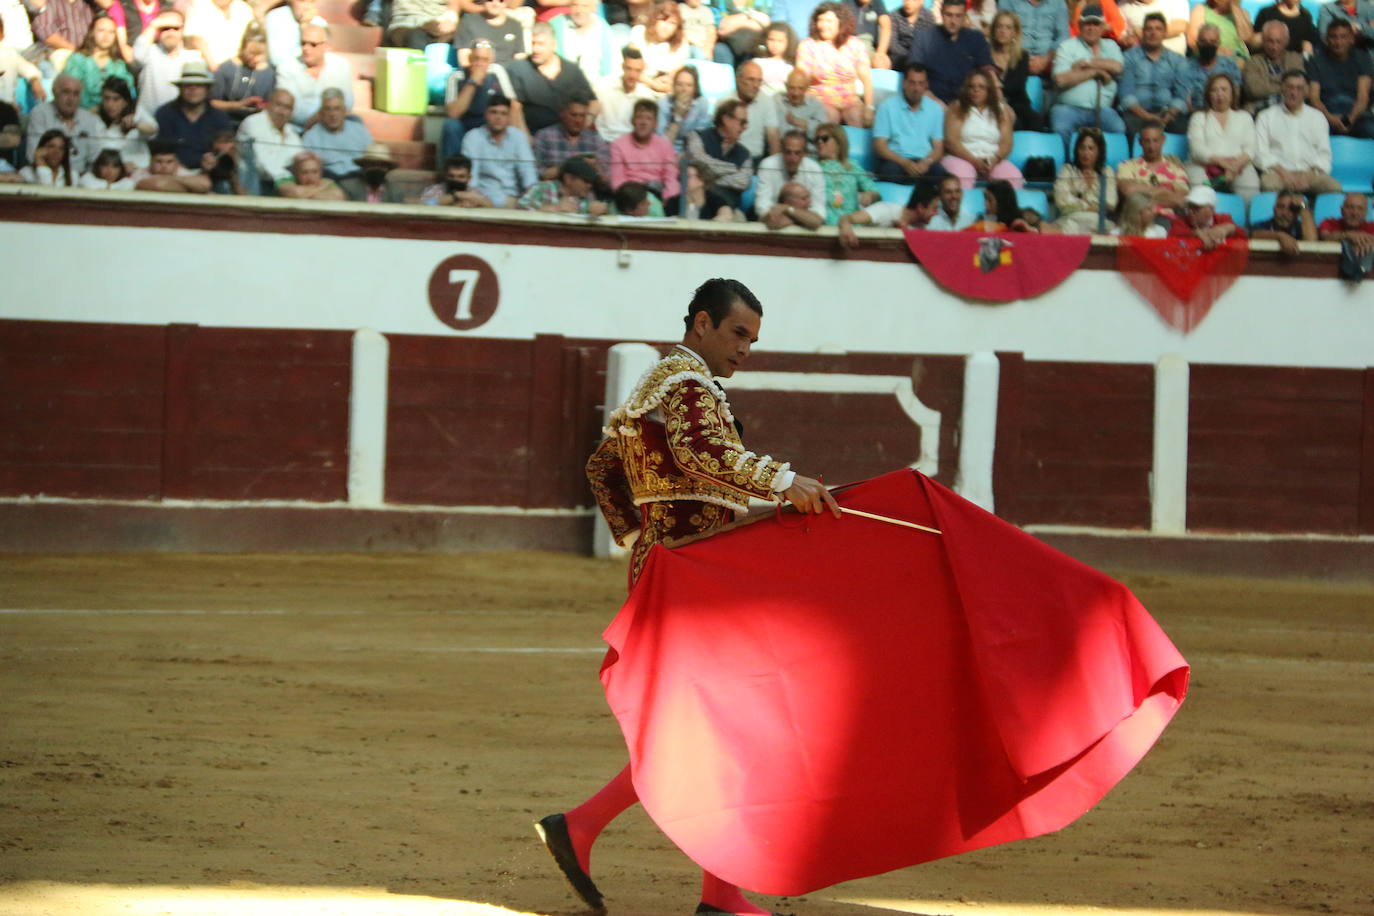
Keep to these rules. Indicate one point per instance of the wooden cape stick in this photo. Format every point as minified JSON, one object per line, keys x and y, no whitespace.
{"x":791,"y":510}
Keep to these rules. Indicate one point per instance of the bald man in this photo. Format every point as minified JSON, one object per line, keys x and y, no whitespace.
{"x":762,"y":137}
{"x":275,"y":139}
{"x":1263,"y":74}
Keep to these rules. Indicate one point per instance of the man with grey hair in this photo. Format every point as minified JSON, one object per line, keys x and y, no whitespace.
{"x":316,"y":70}
{"x":545,"y":83}
{"x":275,"y":141}
{"x":336,"y":138}
{"x":1263,"y":73}
{"x":64,"y":113}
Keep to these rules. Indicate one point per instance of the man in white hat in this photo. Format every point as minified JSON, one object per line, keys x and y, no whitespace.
{"x":188,"y":120}
{"x":370,"y":184}
{"x":159,"y":50}
{"x":1201,"y":220}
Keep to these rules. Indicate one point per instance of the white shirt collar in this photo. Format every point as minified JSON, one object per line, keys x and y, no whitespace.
{"x":695,"y":355}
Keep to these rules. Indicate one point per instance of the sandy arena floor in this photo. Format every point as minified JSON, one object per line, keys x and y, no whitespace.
{"x":372,"y":736}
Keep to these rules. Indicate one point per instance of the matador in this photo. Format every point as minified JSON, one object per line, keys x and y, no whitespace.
{"x":673,"y":464}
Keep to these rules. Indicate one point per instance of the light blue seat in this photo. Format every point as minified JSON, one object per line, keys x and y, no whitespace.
{"x":1028,"y":143}
{"x":1233,"y":205}
{"x":1314,"y":7}
{"x":1328,"y":206}
{"x":886,"y":83}
{"x":1262,"y":207}
{"x":1174,"y":145}
{"x":1035,"y":91}
{"x":1118,"y":149}
{"x":860,"y":147}
{"x":894,"y":193}
{"x":1031,"y":199}
{"x":1352,"y":163}
{"x":717,"y":80}
{"x":746,"y":200}
{"x":1252,"y":7}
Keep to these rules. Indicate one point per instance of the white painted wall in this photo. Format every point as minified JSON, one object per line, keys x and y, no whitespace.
{"x":233,"y":279}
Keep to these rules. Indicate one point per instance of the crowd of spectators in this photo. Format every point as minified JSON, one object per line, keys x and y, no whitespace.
{"x":558,"y":108}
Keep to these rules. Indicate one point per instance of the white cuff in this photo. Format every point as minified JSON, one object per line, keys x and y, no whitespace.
{"x":783,"y":481}
{"x":628,"y":541}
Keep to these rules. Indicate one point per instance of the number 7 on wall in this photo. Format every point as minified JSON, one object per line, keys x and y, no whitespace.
{"x":465,"y":280}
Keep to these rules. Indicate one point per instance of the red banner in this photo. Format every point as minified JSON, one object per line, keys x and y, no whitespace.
{"x":811,"y":700}
{"x":1178,"y":278}
{"x":998,"y":266}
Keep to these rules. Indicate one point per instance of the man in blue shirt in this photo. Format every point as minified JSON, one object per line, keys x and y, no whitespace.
{"x":1086,"y":70}
{"x":1044,"y":27}
{"x":950,"y":52}
{"x":501,"y":154}
{"x":1207,"y":64}
{"x":909,"y":131}
{"x":335,"y":138}
{"x":1151,"y":83}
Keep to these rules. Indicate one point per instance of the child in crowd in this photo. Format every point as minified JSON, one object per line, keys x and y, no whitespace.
{"x":781,"y":44}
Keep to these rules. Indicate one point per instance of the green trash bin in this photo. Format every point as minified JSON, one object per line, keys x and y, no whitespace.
{"x":401,"y":86}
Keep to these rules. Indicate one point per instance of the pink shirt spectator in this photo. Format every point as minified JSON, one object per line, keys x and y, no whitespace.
{"x":654,"y":163}
{"x":833,"y":70}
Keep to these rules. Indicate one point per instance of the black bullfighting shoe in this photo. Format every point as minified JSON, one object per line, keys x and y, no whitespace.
{"x":553,"y":830}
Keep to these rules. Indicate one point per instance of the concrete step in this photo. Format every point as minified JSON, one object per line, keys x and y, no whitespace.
{"x":387,"y":127}
{"x":412,"y":154}
{"x":354,"y":39}
{"x":364,"y":65}
{"x":362,"y":93}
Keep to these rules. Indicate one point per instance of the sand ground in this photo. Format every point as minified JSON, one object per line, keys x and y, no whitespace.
{"x":360,"y":735}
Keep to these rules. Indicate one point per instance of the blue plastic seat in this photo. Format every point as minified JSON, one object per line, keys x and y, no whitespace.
{"x":1261,"y":207}
{"x":1352,"y":163}
{"x":1252,"y":7}
{"x":860,"y":147}
{"x":1028,"y":143}
{"x":1314,"y":7}
{"x":1031,"y":199}
{"x":1118,"y":149}
{"x":886,"y":83}
{"x":717,"y":80}
{"x":746,"y":200}
{"x":1035,"y":91}
{"x":1233,"y":205}
{"x":1174,"y":145}
{"x":894,"y":193}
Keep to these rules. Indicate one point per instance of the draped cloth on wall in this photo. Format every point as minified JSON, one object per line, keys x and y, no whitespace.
{"x":1178,"y":278}
{"x":808,"y":701}
{"x":998,"y":266}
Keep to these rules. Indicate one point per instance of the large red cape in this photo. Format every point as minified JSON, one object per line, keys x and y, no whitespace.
{"x":811,"y":701}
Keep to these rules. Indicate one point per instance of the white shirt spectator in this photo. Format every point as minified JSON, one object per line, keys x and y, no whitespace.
{"x":336,"y":73}
{"x":772,"y":175}
{"x":130,"y":144}
{"x":1135,"y":13}
{"x":18,"y":29}
{"x":220,"y":27}
{"x":273,"y":149}
{"x":155,"y":87}
{"x":284,"y":34}
{"x":13,"y":67}
{"x":943,"y":223}
{"x":92,"y":183}
{"x":617,"y":106}
{"x":763,"y":117}
{"x":41,"y":174}
{"x":83,"y":130}
{"x":885,"y":214}
{"x":1297,"y":142}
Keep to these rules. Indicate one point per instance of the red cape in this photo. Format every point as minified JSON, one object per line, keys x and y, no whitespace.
{"x":811,"y":701}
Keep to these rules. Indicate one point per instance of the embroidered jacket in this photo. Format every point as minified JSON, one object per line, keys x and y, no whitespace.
{"x":675,"y":439}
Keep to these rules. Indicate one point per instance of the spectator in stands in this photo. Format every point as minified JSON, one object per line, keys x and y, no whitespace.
{"x":569,"y":192}
{"x":1201,"y":220}
{"x":791,"y":166}
{"x":1221,"y":142}
{"x":317,"y":70}
{"x":1290,"y":223}
{"x":1340,"y":78}
{"x":97,"y":60}
{"x":1352,"y":226}
{"x":911,"y":20}
{"x":1163,"y":179}
{"x":243,"y":82}
{"x":635,"y":199}
{"x":14,"y":67}
{"x":370,"y":185}
{"x":908,"y":133}
{"x":1044,"y":27}
{"x":275,"y":140}
{"x":762,"y":136}
{"x":977,"y":134}
{"x":468,"y":95}
{"x":740,"y":30}
{"x":16,"y":31}
{"x":1263,"y":74}
{"x":573,"y":135}
{"x":798,"y":109}
{"x":61,"y":25}
{"x":848,"y":186}
{"x":619,"y":96}
{"x":1152,"y":82}
{"x":106,"y":174}
{"x":120,"y":130}
{"x":1175,"y":13}
{"x":780,"y":57}
{"x":64,"y":113}
{"x":1359,"y":13}
{"x":1086,"y":70}
{"x":1138,"y":214}
{"x":494,"y":25}
{"x":416,"y":23}
{"x":582,"y":36}
{"x":699,"y":25}
{"x":188,"y":120}
{"x":167,"y":174}
{"x":1234,"y":30}
{"x":159,"y":51}
{"x":722,"y":162}
{"x":52,"y":161}
{"x":920,"y":209}
{"x":336,"y":138}
{"x":1207,"y":64}
{"x":645,"y":157}
{"x":1001,"y":213}
{"x":663,"y":43}
{"x":1303,"y":36}
{"x":952,"y":51}
{"x":685,"y":110}
{"x":223,"y":163}
{"x":283,"y":27}
{"x":1011,"y":65}
{"x":951,"y":216}
{"x":1078,"y":187}
{"x":544,"y":83}
{"x":837,"y":61}
{"x":456,"y":188}
{"x":502,"y":155}
{"x":795,"y":207}
{"x":306,"y":180}
{"x":1114,"y":28}
{"x":1292,"y":144}
{"x":216,"y":27}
